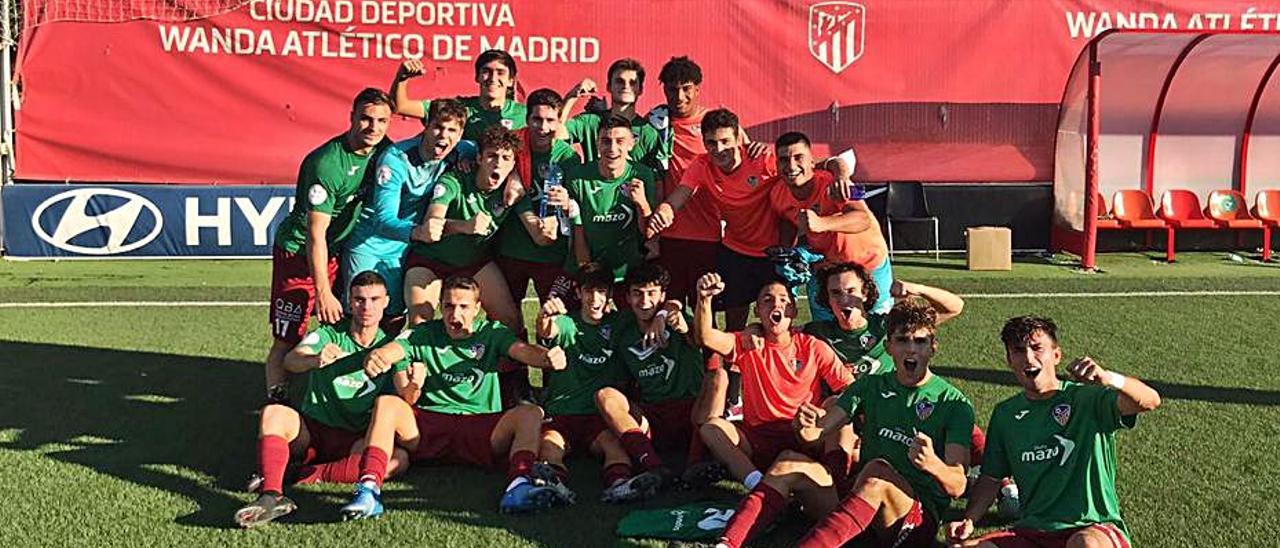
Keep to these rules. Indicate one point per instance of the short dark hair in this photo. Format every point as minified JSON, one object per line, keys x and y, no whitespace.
{"x":466,"y":283}
{"x":679,"y":70}
{"x":594,"y":276}
{"x":647,"y":273}
{"x":367,"y":278}
{"x":911,"y":315}
{"x":790,"y":138}
{"x":544,"y":97}
{"x":870,"y":293}
{"x":613,"y":122}
{"x":500,"y":138}
{"x":718,"y":119}
{"x":371,"y":96}
{"x":496,"y":55}
{"x":627,"y":63}
{"x":1020,"y":329}
{"x":447,"y":109}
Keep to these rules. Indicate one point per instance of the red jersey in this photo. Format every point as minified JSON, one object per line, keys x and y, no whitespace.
{"x":743,"y":199}
{"x":699,"y":219}
{"x":866,"y":248}
{"x":777,"y":379}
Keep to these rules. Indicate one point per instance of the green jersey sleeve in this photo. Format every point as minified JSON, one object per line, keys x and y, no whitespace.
{"x":410,"y":340}
{"x":583,"y":127}
{"x":501,"y":339}
{"x":566,"y":330}
{"x":995,"y":461}
{"x":321,"y":195}
{"x":1105,"y":405}
{"x":959,"y":428}
{"x":315,"y":340}
{"x":447,"y":190}
{"x":852,"y":396}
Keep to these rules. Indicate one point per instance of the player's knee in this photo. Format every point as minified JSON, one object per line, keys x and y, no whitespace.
{"x":715,"y":432}
{"x":527,"y":413}
{"x":608,"y":398}
{"x":278,"y":419}
{"x":788,"y":462}
{"x":875,"y":475}
{"x":1090,"y":537}
{"x":388,"y":404}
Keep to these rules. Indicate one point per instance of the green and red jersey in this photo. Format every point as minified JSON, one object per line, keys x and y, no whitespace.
{"x":462,"y":374}
{"x":671,"y":370}
{"x":514,"y":240}
{"x":1061,"y":451}
{"x":511,"y":116}
{"x":584,"y":129}
{"x":340,"y":394}
{"x":609,"y":218}
{"x":331,"y":180}
{"x":862,"y":348}
{"x":589,"y":352}
{"x":895,"y":413}
{"x":464,"y":200}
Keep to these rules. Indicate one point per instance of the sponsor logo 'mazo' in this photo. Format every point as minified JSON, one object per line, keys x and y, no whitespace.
{"x":99,"y":221}
{"x":894,"y":435}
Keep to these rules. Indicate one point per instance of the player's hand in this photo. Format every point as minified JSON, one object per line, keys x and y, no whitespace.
{"x":378,"y":362}
{"x":513,"y":190}
{"x":328,"y":308}
{"x":479,"y":225}
{"x":556,"y":360}
{"x":710,"y":285}
{"x":660,"y":220}
{"x":901,"y":290}
{"x":920,"y":452}
{"x":557,"y":196}
{"x":754,"y":339}
{"x":552,"y":307}
{"x":959,"y":531}
{"x":1085,"y":370}
{"x":465,"y":166}
{"x":582,"y":89}
{"x":806,"y":420}
{"x":809,"y":222}
{"x":757,"y":149}
{"x":330,"y":353}
{"x":435,"y":229}
{"x":417,"y":373}
{"x":635,"y":190}
{"x":410,"y":68}
{"x":675,"y":320}
{"x":549,"y":227}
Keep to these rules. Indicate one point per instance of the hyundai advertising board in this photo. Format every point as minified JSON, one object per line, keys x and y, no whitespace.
{"x":131,"y":221}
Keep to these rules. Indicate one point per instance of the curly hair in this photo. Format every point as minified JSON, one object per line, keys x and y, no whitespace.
{"x":500,"y":138}
{"x":1020,"y":329}
{"x":447,"y":109}
{"x":870,"y":293}
{"x":910,"y":316}
{"x":680,"y":70}
{"x":646,"y":274}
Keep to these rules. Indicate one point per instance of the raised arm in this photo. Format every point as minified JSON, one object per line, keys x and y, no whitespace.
{"x":304,"y":358}
{"x":1135,"y":396}
{"x":948,"y":304}
{"x":411,"y":68}
{"x":704,"y":329}
{"x":665,"y":214}
{"x":551,"y":309}
{"x":536,"y":356}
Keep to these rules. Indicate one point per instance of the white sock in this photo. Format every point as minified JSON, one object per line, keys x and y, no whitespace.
{"x":370,"y":484}
{"x":753,"y":479}
{"x":517,"y":482}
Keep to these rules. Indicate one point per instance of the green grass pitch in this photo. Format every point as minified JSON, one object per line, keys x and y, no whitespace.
{"x":135,"y":426}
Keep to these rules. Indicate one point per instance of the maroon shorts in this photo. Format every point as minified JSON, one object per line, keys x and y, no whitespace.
{"x":293,"y":293}
{"x":686,"y":261}
{"x":441,"y":270}
{"x":670,"y":424}
{"x":1030,"y":538}
{"x":769,"y":439}
{"x":547,"y":278}
{"x":455,"y":439}
{"x":916,"y":529}
{"x":328,"y":443}
{"x":579,"y":431}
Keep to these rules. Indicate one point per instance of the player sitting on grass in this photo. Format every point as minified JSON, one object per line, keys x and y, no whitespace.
{"x":778,"y":378}
{"x":407,"y":175}
{"x":495,"y":73}
{"x":670,"y":395}
{"x":304,"y":257}
{"x":915,"y":448}
{"x":456,"y":237}
{"x":1057,"y":440}
{"x":586,"y":336}
{"x":458,"y":416}
{"x":335,"y":407}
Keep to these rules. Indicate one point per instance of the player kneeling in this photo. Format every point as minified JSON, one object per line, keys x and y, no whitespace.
{"x":335,"y":408}
{"x":905,"y":484}
{"x":458,"y":416}
{"x":1057,"y":440}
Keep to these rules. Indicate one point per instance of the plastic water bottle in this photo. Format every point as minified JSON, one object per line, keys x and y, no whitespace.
{"x":1008,"y":506}
{"x":553,"y":178}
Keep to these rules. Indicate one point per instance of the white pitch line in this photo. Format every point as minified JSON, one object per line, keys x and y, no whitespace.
{"x":1082,"y":295}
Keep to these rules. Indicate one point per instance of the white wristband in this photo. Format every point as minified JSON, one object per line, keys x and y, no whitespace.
{"x":1116,"y":381}
{"x":662,"y":315}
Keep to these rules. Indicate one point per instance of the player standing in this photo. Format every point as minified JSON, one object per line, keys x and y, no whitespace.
{"x":406,"y":176}
{"x":458,"y":416}
{"x":304,"y":259}
{"x":335,"y":407}
{"x":494,"y":105}
{"x":625,"y":82}
{"x":1057,"y":440}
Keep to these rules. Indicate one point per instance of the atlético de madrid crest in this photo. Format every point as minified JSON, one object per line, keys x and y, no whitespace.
{"x":836,"y":33}
{"x":924,"y":409}
{"x":1062,"y":413}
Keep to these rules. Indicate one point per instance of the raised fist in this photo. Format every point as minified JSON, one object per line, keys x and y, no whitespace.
{"x":920,"y":452}
{"x":586,"y":87}
{"x":556,"y":360}
{"x":330,"y":353}
{"x":411,"y":68}
{"x":553,"y":306}
{"x":710,"y":285}
{"x":480,"y":224}
{"x":1084,"y":369}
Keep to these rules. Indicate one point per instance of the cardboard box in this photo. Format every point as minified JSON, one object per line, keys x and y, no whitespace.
{"x":990,"y":248}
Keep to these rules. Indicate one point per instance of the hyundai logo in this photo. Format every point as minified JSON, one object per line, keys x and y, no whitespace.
{"x":85,"y":213}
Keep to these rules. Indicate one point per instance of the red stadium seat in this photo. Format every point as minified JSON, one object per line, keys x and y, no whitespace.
{"x":1134,"y":211}
{"x":1106,"y":219}
{"x":1230,"y":211}
{"x":1266,"y":208}
{"x":1181,"y":210}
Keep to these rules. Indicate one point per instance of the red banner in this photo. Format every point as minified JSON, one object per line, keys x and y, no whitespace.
{"x":948,"y":90}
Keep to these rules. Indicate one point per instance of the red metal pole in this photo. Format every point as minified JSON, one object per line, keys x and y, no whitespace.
{"x":1094,"y":130}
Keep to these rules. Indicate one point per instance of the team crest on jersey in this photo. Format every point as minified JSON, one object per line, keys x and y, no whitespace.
{"x":477,"y":351}
{"x":606,"y":332}
{"x":837,"y":33}
{"x":867,"y":341}
{"x":1062,"y":413}
{"x":924,"y":409}
{"x":439,"y":191}
{"x":797,"y":364}
{"x":317,"y":195}
{"x":752,"y":181}
{"x":384,"y":175}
